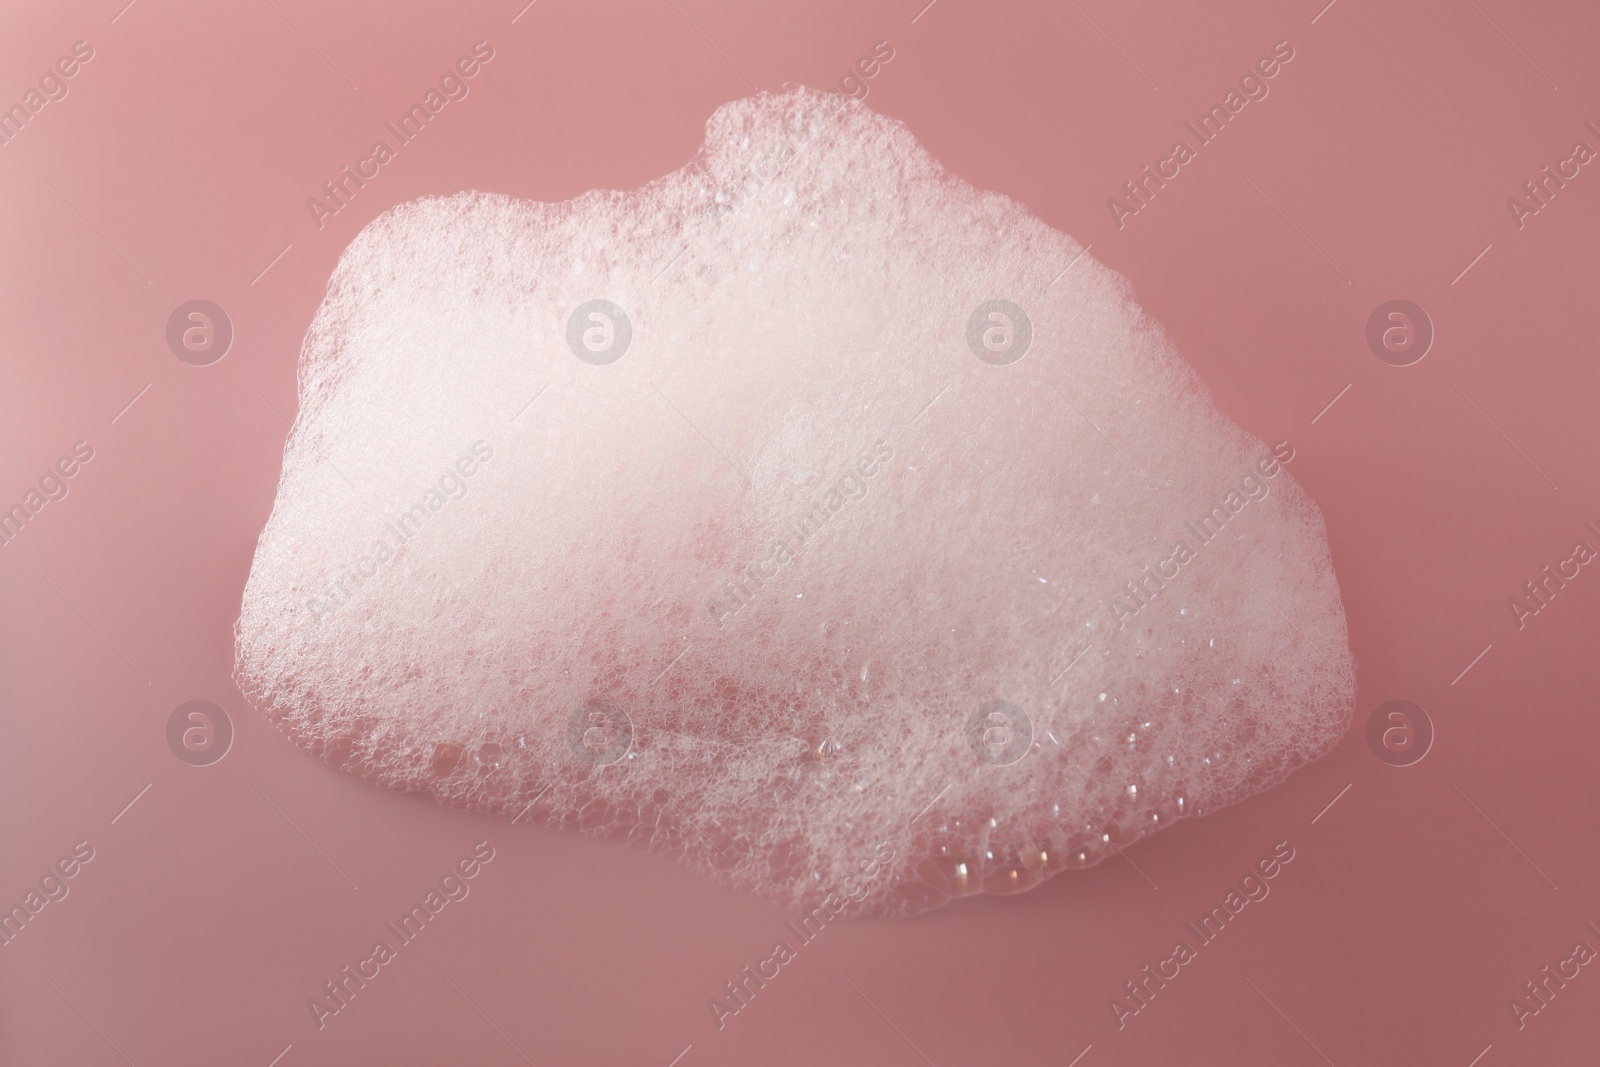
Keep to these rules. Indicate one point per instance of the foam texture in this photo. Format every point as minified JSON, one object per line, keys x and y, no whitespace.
{"x":739,"y":595}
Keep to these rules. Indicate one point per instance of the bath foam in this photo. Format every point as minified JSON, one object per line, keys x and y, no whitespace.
{"x":849,"y":519}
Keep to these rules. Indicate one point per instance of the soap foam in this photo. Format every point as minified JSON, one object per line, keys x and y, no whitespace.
{"x":668,"y":606}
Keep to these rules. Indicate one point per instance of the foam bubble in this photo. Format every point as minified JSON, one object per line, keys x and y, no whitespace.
{"x":818,"y":562}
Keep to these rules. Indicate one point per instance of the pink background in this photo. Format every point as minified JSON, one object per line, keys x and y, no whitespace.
{"x":178,"y":168}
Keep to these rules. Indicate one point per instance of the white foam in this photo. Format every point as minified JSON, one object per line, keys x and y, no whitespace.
{"x":799,"y":301}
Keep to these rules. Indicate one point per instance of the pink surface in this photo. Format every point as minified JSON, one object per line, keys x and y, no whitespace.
{"x":1379,"y":167}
